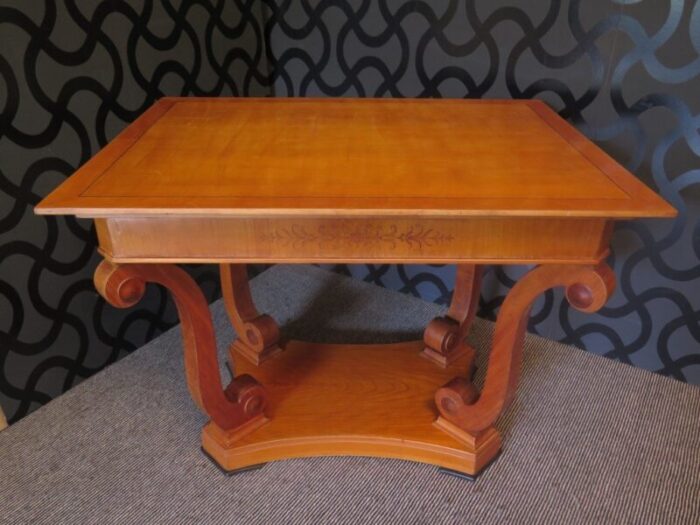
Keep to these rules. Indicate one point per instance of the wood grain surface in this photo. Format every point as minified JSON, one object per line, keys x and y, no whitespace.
{"x":239,"y":405}
{"x":365,"y":400}
{"x":409,"y":157}
{"x":371,"y":239}
{"x":586,"y":288}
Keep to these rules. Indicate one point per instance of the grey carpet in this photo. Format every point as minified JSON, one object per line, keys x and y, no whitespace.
{"x":588,"y":440}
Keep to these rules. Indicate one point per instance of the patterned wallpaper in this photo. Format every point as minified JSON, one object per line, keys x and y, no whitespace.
{"x":625,"y":72}
{"x":72,"y":74}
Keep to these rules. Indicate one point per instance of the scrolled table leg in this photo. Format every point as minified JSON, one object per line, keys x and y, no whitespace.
{"x":587,"y":289}
{"x":243,"y":401}
{"x":258,"y":334}
{"x":444,"y":337}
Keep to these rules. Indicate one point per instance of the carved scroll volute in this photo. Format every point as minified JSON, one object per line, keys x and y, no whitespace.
{"x":444,"y":337}
{"x":258,"y":334}
{"x":587,"y":289}
{"x":123,"y":286}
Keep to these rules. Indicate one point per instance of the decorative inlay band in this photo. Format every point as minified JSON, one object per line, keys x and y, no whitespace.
{"x":349,"y":233}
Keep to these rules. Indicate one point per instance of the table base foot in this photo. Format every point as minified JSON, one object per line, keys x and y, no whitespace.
{"x":235,"y":472}
{"x":443,"y":360}
{"x":469,"y":477}
{"x":351,"y":400}
{"x":242,"y":349}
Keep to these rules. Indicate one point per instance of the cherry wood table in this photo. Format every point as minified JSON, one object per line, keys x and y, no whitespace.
{"x":236,"y":181}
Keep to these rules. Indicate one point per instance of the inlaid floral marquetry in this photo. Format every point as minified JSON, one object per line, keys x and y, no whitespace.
{"x":324,"y":239}
{"x":345,"y":232}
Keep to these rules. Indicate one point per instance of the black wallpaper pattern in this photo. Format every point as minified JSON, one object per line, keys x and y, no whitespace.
{"x":72,"y":74}
{"x":625,"y":72}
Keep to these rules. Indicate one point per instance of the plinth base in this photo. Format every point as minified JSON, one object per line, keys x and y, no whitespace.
{"x":351,"y":400}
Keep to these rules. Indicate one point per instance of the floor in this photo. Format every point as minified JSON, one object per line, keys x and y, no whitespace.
{"x":587,"y":439}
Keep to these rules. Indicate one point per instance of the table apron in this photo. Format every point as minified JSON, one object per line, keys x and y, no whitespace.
{"x":322,"y":239}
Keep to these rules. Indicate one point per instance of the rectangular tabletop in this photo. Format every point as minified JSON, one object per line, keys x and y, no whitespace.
{"x":352,"y":157}
{"x":321,"y":180}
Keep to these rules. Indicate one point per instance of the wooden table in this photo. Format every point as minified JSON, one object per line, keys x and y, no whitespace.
{"x":236,"y":181}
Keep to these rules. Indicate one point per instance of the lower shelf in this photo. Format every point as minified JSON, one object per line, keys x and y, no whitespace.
{"x":351,"y":400}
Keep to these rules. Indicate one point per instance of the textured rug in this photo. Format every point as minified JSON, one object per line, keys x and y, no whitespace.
{"x":587,"y":440}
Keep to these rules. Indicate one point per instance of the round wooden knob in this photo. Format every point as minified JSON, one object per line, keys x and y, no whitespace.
{"x":246,"y":391}
{"x":131,"y":290}
{"x":579,"y":295}
{"x":454,"y":395}
{"x":261,"y":332}
{"x":590,"y":288}
{"x":121,"y":286}
{"x":442,"y":334}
